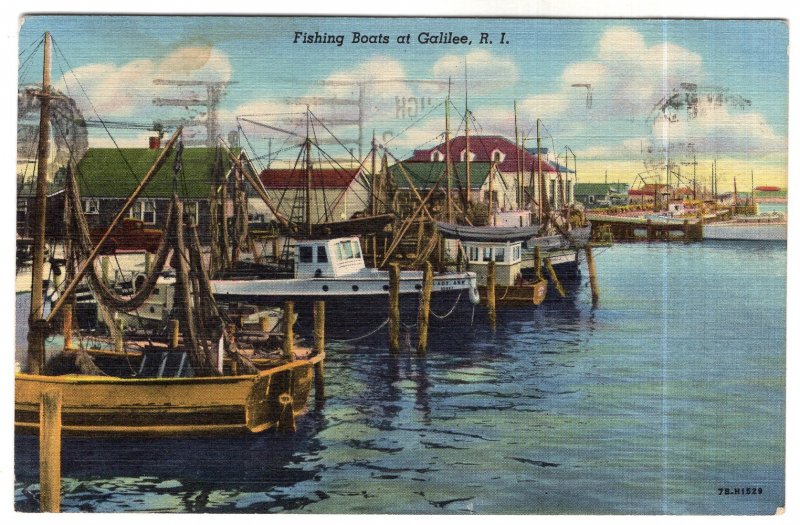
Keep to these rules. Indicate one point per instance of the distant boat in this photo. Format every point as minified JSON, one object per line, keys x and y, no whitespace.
{"x":764,"y":227}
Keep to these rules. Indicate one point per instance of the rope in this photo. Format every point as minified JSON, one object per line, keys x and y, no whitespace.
{"x":364,"y":336}
{"x":504,"y":295}
{"x":440,"y":317}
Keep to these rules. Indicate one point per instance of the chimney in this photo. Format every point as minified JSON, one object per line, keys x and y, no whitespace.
{"x":155,"y":143}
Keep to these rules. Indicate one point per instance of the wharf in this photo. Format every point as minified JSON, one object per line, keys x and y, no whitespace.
{"x":633,"y":229}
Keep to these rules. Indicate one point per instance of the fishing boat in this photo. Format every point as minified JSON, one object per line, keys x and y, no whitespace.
{"x":762,"y":227}
{"x":503,"y":246}
{"x":218,"y":390}
{"x":333,"y":270}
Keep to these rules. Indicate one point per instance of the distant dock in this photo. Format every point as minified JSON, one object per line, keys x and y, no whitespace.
{"x":641,"y":229}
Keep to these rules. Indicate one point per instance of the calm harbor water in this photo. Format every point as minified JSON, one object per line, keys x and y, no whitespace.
{"x":667,"y":394}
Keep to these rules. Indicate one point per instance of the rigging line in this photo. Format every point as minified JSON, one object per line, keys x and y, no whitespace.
{"x":125,"y":160}
{"x":37,"y":42}
{"x":31,"y":55}
{"x":360,"y":182}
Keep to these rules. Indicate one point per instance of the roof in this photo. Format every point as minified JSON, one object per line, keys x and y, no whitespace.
{"x":280,"y":179}
{"x":598,"y":188}
{"x":425,"y":174}
{"x":649,"y":189}
{"x":482,"y":146}
{"x":104,"y":173}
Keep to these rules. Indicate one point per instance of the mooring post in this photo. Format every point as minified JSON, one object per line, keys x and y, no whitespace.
{"x":554,"y":277}
{"x":174,"y":333}
{"x":50,"y":451}
{"x":119,"y":342}
{"x":319,"y":348}
{"x":148,"y":262}
{"x":288,"y":330}
{"x":537,"y":262}
{"x":592,"y":276}
{"x":650,"y":233}
{"x":686,"y":230}
{"x":491,"y":281}
{"x":423,"y":316}
{"x":394,"y":307}
{"x":66,"y":312}
{"x":104,"y":268}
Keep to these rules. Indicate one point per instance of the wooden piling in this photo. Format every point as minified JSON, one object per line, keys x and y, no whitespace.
{"x":394,"y":307}
{"x":537,"y":262}
{"x":554,"y":277}
{"x":174,"y":333}
{"x":650,"y":233}
{"x":592,"y":276}
{"x":423,"y":316}
{"x":119,"y":343}
{"x":319,"y":347}
{"x":104,"y":268}
{"x":67,"y":325}
{"x":288,"y":330}
{"x":50,"y":451}
{"x":491,"y":281}
{"x":275,"y":249}
{"x":148,"y":262}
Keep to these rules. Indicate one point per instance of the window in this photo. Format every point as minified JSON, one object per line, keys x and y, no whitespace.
{"x":437,"y":156}
{"x":517,"y":255}
{"x":487,"y":254}
{"x":191,"y":212}
{"x":306,"y":254}
{"x":339,"y":251}
{"x":498,"y":156}
{"x":322,"y":255}
{"x":357,"y":249}
{"x":91,"y":206}
{"x":591,"y":199}
{"x":348,"y":250}
{"x":473,"y":253}
{"x":144,"y":210}
{"x":464,"y":154}
{"x":500,"y":254}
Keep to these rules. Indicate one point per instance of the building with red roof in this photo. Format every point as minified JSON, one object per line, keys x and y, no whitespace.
{"x":509,"y":159}
{"x":336,"y":193}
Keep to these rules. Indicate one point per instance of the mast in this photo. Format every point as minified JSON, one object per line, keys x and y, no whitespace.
{"x":466,"y":131}
{"x":309,"y":228}
{"x":372,"y":195}
{"x":752,"y":192}
{"x":448,"y":162}
{"x":735,"y":195}
{"x":36,"y":324}
{"x":519,"y":159}
{"x":542,"y":188}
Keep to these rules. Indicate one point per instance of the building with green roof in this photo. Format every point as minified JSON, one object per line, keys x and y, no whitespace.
{"x":599,"y":194}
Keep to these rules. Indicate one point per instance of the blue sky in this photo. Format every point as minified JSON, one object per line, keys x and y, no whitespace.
{"x":630,"y":64}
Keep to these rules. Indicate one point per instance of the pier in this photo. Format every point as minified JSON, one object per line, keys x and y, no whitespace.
{"x":640,"y":229}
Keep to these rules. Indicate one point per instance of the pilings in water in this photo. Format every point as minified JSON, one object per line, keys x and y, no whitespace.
{"x":537,"y":262}
{"x":319,"y":347}
{"x":174,"y":333}
{"x":288,"y":330}
{"x":554,"y":277}
{"x":50,"y":451}
{"x":491,"y":304}
{"x":423,"y":316}
{"x":66,"y":313}
{"x":394,"y":307}
{"x":592,"y":276}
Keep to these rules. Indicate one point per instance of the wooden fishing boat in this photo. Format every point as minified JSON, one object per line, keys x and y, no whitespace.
{"x":205,"y":396}
{"x":103,"y":405}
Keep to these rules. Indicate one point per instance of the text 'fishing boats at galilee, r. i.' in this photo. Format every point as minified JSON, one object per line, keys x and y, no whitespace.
{"x":442,"y":265}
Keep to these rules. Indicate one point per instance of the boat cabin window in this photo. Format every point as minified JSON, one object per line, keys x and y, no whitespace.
{"x":357,"y":249}
{"x":487,"y":254}
{"x":322,"y":255}
{"x":306,"y":254}
{"x":500,"y":254}
{"x":517,"y":253}
{"x":348,"y":250}
{"x":473,"y":253}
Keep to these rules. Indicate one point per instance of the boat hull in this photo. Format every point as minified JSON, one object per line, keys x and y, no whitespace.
{"x":102,"y":405}
{"x":745,"y":231}
{"x":532,"y":294}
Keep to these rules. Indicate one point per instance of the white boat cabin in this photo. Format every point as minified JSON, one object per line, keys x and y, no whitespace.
{"x":507,"y":257}
{"x":328,"y":258}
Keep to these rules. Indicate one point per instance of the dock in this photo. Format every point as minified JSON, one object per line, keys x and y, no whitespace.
{"x":640,"y":229}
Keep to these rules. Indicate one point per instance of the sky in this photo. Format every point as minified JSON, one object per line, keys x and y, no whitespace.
{"x":629,"y":67}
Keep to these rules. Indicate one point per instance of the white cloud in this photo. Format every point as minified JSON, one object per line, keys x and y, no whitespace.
{"x":486,"y":72}
{"x":128,"y":90}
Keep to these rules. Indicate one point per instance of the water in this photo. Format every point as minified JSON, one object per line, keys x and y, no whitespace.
{"x":671,"y":390}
